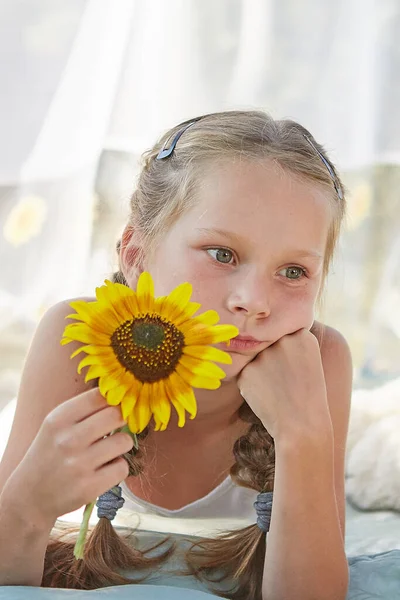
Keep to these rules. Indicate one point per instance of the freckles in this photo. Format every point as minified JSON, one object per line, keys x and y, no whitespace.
{"x":299,"y":309}
{"x":201,"y":291}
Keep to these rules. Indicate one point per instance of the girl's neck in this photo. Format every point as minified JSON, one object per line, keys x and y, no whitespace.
{"x":217,"y":413}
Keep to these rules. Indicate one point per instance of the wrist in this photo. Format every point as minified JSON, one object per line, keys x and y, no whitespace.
{"x":300,"y":440}
{"x":24,"y":513}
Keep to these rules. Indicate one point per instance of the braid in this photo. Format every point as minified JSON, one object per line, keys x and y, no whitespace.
{"x":107,"y":554}
{"x":118,"y":276}
{"x":238,"y":556}
{"x":135,"y":457}
{"x":254,"y":454}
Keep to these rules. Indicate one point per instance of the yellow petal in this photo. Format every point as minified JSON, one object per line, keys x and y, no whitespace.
{"x":223,"y":333}
{"x":189,"y":311}
{"x":119,"y":290}
{"x":83,"y":305}
{"x":180,"y":411}
{"x":130,"y":399}
{"x":145,"y":293}
{"x":202,"y":367}
{"x":82,"y":333}
{"x":115,"y":396}
{"x":131,"y":307}
{"x":117,"y":393}
{"x":208,"y":353}
{"x":159,"y":403}
{"x":197,"y":336}
{"x":197,"y":381}
{"x":210,"y":317}
{"x":81,"y":349}
{"x":97,"y":350}
{"x":93,"y":373}
{"x":107,"y":361}
{"x":96,"y":371}
{"x":127,"y":405}
{"x":177,"y":301}
{"x":158,"y":305}
{"x":157,"y":423}
{"x":210,"y":335}
{"x":103,"y":296}
{"x":180,"y":391}
{"x":123,"y":299}
{"x":132,"y":422}
{"x":141,"y":410}
{"x":102,"y":319}
{"x":107,"y":382}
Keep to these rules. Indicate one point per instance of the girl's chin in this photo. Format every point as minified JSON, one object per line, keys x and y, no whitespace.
{"x":232,"y":371}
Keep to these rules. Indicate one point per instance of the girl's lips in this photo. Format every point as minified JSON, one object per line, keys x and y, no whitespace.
{"x":243,"y":343}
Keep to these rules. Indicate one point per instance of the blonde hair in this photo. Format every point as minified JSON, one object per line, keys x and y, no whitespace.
{"x":165,"y":189}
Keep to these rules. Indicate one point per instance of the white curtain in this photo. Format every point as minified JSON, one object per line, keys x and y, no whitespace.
{"x":87,"y":85}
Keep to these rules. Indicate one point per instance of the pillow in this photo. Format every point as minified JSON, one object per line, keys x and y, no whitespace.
{"x":375,"y":576}
{"x":118,"y":592}
{"x":372,"y":577}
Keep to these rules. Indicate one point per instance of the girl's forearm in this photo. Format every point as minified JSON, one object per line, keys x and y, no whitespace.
{"x":23,"y":542}
{"x":305,"y":556}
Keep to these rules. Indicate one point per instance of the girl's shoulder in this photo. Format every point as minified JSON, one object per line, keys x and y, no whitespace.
{"x":52,"y":360}
{"x":49,"y":377}
{"x":333,"y":345}
{"x":338,"y":373}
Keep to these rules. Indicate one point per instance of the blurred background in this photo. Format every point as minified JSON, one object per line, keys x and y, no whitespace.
{"x":88,"y":85}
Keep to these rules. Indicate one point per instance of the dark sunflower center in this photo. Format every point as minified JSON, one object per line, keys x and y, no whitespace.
{"x":148,"y":335}
{"x":149,"y":347}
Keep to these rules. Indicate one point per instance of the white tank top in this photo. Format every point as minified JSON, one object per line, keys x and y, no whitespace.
{"x":226,"y":506}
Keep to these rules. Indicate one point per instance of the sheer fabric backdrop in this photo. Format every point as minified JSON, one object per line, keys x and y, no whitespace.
{"x":87,"y":85}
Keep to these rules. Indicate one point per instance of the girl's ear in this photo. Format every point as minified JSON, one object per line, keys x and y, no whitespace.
{"x":131,"y":255}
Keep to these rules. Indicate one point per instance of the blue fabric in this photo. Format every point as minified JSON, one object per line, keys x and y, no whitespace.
{"x":372,"y":577}
{"x":375,"y":576}
{"x":118,"y":592}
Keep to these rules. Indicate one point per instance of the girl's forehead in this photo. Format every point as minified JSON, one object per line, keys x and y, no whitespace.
{"x":259,"y":182}
{"x":257,"y":200}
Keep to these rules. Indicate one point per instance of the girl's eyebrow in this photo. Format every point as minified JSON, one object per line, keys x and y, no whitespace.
{"x":308,"y":254}
{"x":238,"y":238}
{"x":228,"y":234}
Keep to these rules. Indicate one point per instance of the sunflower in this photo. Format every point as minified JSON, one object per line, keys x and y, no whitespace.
{"x":148,"y":353}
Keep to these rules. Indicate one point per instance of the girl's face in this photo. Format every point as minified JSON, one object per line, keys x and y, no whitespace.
{"x":252,"y":247}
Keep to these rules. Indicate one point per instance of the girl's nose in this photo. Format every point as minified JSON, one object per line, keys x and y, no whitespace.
{"x":251,"y":298}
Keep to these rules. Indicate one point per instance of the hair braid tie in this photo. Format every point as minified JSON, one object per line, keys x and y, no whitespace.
{"x":109,"y":502}
{"x":263,"y":506}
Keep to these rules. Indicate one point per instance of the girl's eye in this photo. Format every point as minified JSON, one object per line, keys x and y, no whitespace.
{"x":222,"y":255}
{"x":293,"y":272}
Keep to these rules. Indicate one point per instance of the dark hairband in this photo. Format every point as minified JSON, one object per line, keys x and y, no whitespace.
{"x":166,"y":152}
{"x":336,"y":183}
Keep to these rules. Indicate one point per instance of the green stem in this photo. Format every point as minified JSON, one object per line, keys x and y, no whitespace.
{"x":126,"y":429}
{"x":80,"y":542}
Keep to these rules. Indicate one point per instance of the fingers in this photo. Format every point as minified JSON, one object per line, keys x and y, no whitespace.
{"x":108,"y":449}
{"x":99,"y":424}
{"x":78,"y":408}
{"x":110,"y":475}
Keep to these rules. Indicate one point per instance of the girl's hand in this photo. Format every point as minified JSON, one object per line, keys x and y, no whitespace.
{"x":285,"y":387}
{"x":70,"y":462}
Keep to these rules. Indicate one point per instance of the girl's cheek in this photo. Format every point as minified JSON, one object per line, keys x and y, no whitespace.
{"x":298,"y":315}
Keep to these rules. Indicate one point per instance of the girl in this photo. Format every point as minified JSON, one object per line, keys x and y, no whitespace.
{"x":247,"y":209}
